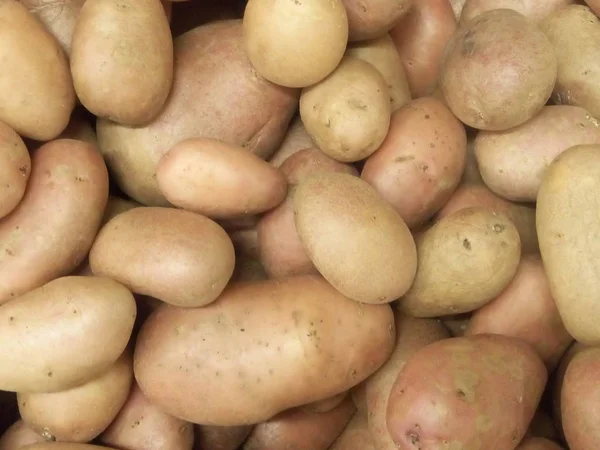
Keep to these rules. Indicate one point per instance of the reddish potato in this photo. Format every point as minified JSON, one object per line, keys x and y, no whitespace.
{"x":371,"y":19}
{"x":15,"y":168}
{"x":19,"y":435}
{"x":220,"y":438}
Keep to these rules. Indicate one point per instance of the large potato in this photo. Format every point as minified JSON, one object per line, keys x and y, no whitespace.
{"x":538,"y":444}
{"x":532,"y":9}
{"x":19,"y":435}
{"x":36,"y":85}
{"x":296,"y":139}
{"x":176,"y":256}
{"x":212,"y":437}
{"x":423,"y":154}
{"x":470,"y":393}
{"x":498,"y":71}
{"x":300,"y":339}
{"x":50,"y":335}
{"x":216,"y":94}
{"x":348,"y":113}
{"x":272,"y":30}
{"x":356,"y":436}
{"x":15,"y":168}
{"x":372,"y":18}
{"x":50,"y":232}
{"x":354,"y":237}
{"x":567,"y":220}
{"x":512,"y":162}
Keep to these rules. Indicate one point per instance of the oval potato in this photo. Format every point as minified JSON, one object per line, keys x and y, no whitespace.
{"x":19,"y":435}
{"x":15,"y":168}
{"x":532,"y":9}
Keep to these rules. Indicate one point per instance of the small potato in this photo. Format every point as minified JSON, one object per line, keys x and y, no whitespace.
{"x":512,"y":162}
{"x":220,"y":438}
{"x":36,"y":86}
{"x":140,"y":425}
{"x":476,"y":392}
{"x":218,"y":180}
{"x":15,"y":168}
{"x":538,"y":444}
{"x":465,"y":261}
{"x":310,"y":344}
{"x":421,"y":161}
{"x":354,"y":237}
{"x":49,"y":336}
{"x":348,"y":113}
{"x":534,"y":10}
{"x":383,"y":55}
{"x":51,"y":230}
{"x":421,"y":37}
{"x":79,"y":414}
{"x":19,"y":435}
{"x":296,"y":139}
{"x":277,"y":53}
{"x":356,"y":436}
{"x":498,"y":71}
{"x":372,"y":18}
{"x":176,"y":256}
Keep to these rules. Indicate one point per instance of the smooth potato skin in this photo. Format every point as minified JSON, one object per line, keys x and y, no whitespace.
{"x":220,"y":438}
{"x":51,"y":230}
{"x":319,"y":343}
{"x":57,"y":347}
{"x":536,"y":443}
{"x":15,"y":168}
{"x":371,"y":20}
{"x":295,"y":139}
{"x":475,"y":393}
{"x":424,"y":153}
{"x":19,"y":435}
{"x":532,"y":9}
{"x":356,"y":436}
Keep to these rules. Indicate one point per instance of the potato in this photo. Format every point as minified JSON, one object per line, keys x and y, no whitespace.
{"x":220,"y":438}
{"x":579,"y":401}
{"x":318,"y":344}
{"x":15,"y":168}
{"x":277,"y":53}
{"x":471,"y":393}
{"x":216,"y":94}
{"x":79,"y":414}
{"x":140,"y":425}
{"x":532,"y":9}
{"x":424,"y":153}
{"x":296,"y":139}
{"x":354,"y":238}
{"x":19,"y":435}
{"x":512,"y":162}
{"x":218,"y":180}
{"x":50,"y":337}
{"x":297,"y":429}
{"x":566,"y":223}
{"x":176,"y":256}
{"x":374,"y":18}
{"x":36,"y":89}
{"x":538,"y":444}
{"x":51,"y":230}
{"x":498,"y":71}
{"x":421,"y":38}
{"x":348,"y":113}
{"x":327,"y":404}
{"x":411,"y":335}
{"x":356,"y":436}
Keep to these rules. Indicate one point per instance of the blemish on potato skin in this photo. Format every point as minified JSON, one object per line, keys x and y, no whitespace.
{"x":404,"y":158}
{"x":466,"y":244}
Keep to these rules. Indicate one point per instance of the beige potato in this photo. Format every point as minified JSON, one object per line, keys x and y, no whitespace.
{"x":218,"y":180}
{"x":356,"y":436}
{"x":176,"y":256}
{"x":15,"y":168}
{"x":296,"y":139}
{"x":49,"y":336}
{"x":220,"y":438}
{"x":532,"y":9}
{"x":465,"y":261}
{"x":19,"y":435}
{"x":354,"y":238}
{"x":373,"y":18}
{"x":538,"y":444}
{"x":51,"y":230}
{"x":36,"y":86}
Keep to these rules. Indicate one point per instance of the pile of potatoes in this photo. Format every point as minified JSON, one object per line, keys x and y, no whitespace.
{"x":299,"y":225}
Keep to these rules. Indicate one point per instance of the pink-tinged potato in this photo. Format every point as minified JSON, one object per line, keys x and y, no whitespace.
{"x":209,"y":437}
{"x":19,"y":435}
{"x":421,"y":161}
{"x":535,"y":443}
{"x":372,"y":19}
{"x":532,"y":9}
{"x":475,"y":392}
{"x":356,"y":436}
{"x":15,"y":168}
{"x":296,"y":139}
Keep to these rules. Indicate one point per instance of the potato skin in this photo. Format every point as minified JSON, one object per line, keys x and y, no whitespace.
{"x":341,"y":343}
{"x":372,"y":19}
{"x":532,"y":9}
{"x":220,"y":438}
{"x":424,"y":153}
{"x":512,"y":162}
{"x":176,"y":256}
{"x":566,"y":220}
{"x":354,"y":238}
{"x":534,"y":443}
{"x":41,"y":359}
{"x":19,"y":435}
{"x":51,"y":230}
{"x":492,"y":383}
{"x":37,"y":89}
{"x":15,"y":168}
{"x":231,"y":104}
{"x":498,"y":71}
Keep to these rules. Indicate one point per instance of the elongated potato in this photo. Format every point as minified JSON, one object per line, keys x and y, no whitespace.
{"x":50,"y":232}
{"x":535,"y":443}
{"x":356,"y":436}
{"x":318,"y":344}
{"x":15,"y":168}
{"x":566,"y":222}
{"x":50,"y":335}
{"x":295,"y":139}
{"x":36,"y":86}
{"x":209,"y":437}
{"x":532,"y":9}
{"x":19,"y":435}
{"x":465,"y":261}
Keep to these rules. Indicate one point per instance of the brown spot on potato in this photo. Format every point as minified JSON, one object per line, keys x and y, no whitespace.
{"x":357,"y":104}
{"x":498,"y":228}
{"x":23,"y":170}
{"x":404,"y":158}
{"x":468,"y":44}
{"x":467,"y":244}
{"x":49,"y":374}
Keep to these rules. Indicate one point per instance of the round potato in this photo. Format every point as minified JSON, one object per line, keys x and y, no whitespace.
{"x":176,"y":256}
{"x":465,"y":261}
{"x":498,"y":71}
{"x":19,"y":435}
{"x":218,"y":180}
{"x":354,"y":237}
{"x":348,"y":113}
{"x":15,"y":168}
{"x":356,"y":436}
{"x":296,"y":139}
{"x":469,"y":392}
{"x":313,"y":344}
{"x":423,"y":154}
{"x":532,"y":9}
{"x":51,"y":230}
{"x":535,"y":443}
{"x":277,"y":53}
{"x":36,"y":86}
{"x":220,"y":438}
{"x":374,"y":18}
